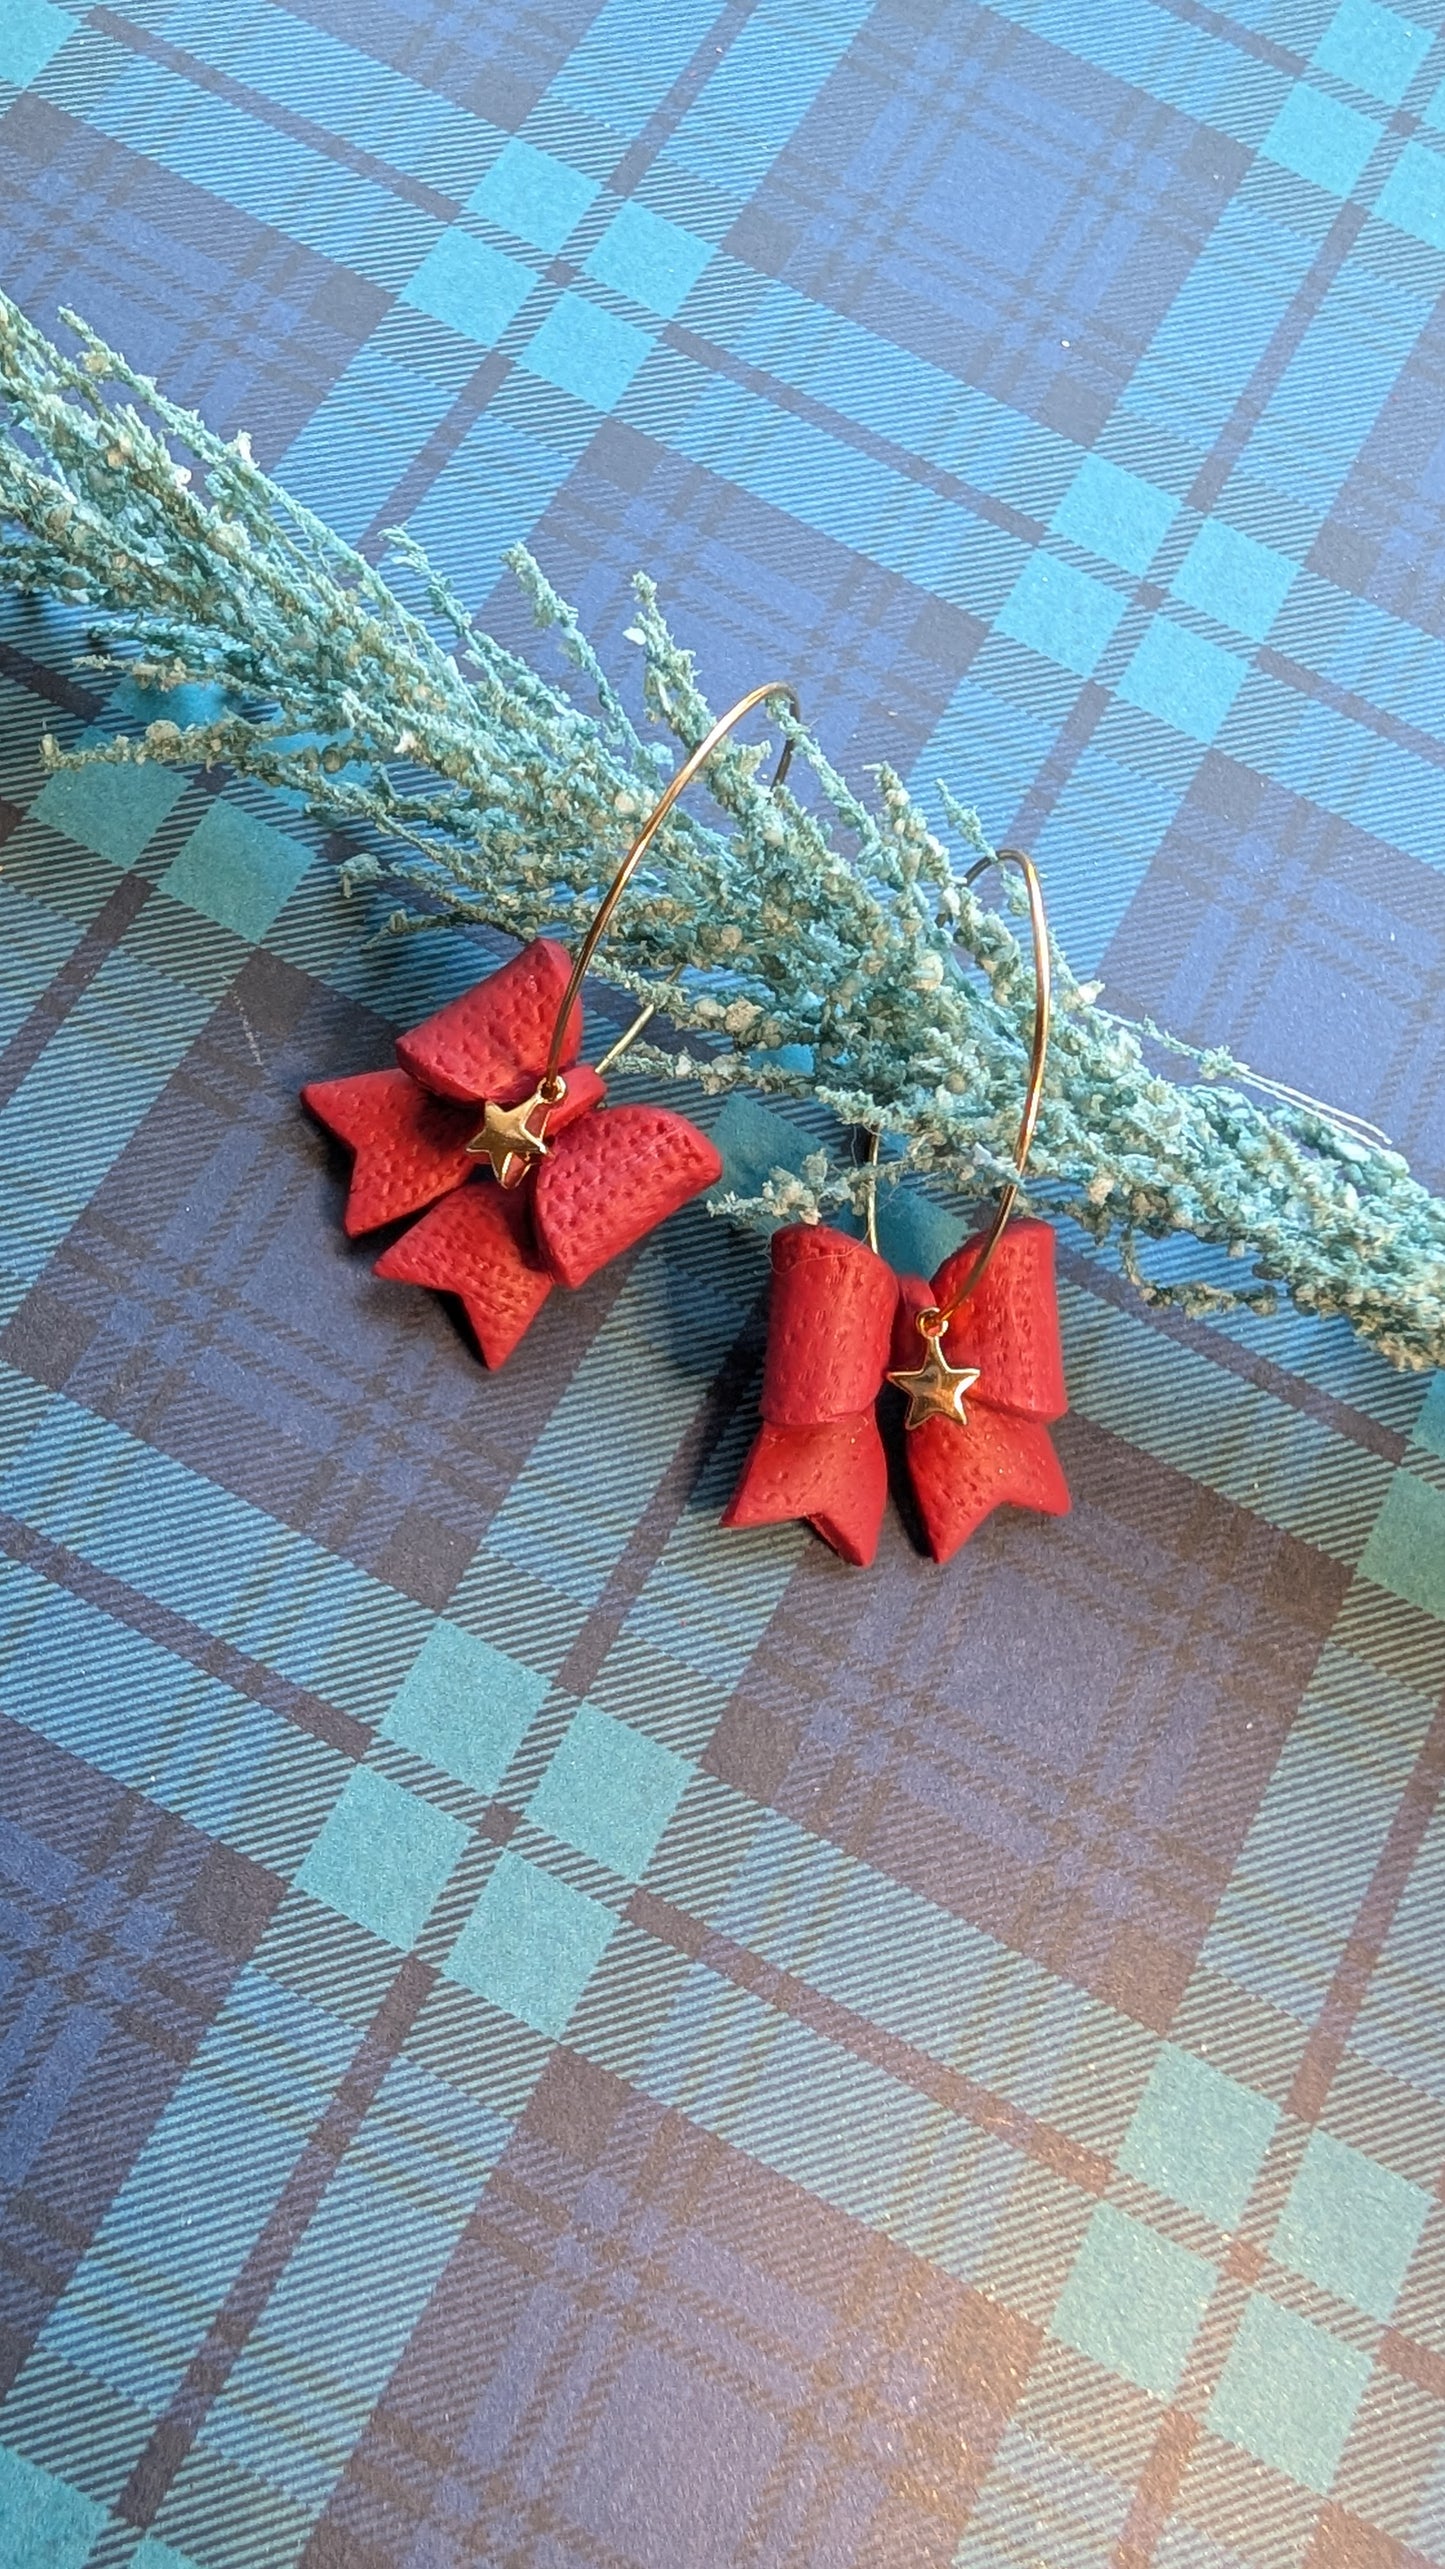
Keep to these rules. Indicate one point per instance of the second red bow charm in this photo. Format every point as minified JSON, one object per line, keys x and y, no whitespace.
{"x":569,"y":1188}
{"x":979,"y":1405}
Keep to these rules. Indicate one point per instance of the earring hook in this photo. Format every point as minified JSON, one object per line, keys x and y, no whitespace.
{"x":696,"y":758}
{"x":870,"y":1209}
{"x":625,"y":1041}
{"x":934,"y":1322}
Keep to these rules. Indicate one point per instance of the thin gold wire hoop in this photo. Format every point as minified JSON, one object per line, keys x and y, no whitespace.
{"x":933,"y":1322}
{"x":870,"y":1209}
{"x":552,"y":1085}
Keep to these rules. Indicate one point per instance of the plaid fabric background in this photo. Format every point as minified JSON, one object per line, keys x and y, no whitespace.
{"x":535,"y":2031}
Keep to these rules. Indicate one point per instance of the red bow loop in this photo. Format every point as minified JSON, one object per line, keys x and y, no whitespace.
{"x":829,"y":1326}
{"x":611,"y":1181}
{"x":1009,"y":1326}
{"x":408,"y":1146}
{"x":493,"y":1041}
{"x":818,"y":1453}
{"x":478,"y":1244}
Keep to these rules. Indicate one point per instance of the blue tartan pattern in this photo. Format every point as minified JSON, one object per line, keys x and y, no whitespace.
{"x":536,"y":2031}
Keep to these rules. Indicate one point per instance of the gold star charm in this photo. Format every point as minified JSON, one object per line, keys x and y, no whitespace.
{"x":508,"y":1141}
{"x":935,"y":1388}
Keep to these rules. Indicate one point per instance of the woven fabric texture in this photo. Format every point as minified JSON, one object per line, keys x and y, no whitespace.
{"x":537,"y":2030}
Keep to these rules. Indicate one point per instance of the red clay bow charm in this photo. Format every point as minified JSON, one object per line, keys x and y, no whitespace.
{"x":977,"y":1353}
{"x":495,"y":1077}
{"x":981,"y":1390}
{"x":568,"y":1188}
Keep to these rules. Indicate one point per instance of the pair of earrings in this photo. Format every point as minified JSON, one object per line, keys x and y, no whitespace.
{"x":976,"y":1352}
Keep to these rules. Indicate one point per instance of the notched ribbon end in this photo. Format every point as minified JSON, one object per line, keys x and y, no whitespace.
{"x":835,"y":1475}
{"x":478,"y":1245}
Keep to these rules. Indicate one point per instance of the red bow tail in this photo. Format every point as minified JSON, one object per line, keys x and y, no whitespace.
{"x":818,"y":1453}
{"x":1008,"y":1329}
{"x":409,"y":1148}
{"x":612,"y":1181}
{"x":478,"y":1244}
{"x":492,"y":1042}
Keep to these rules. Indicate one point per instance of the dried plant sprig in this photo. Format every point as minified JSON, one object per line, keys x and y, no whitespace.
{"x":820,"y":953}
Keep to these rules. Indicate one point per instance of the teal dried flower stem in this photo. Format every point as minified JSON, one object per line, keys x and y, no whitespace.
{"x":815,"y":952}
